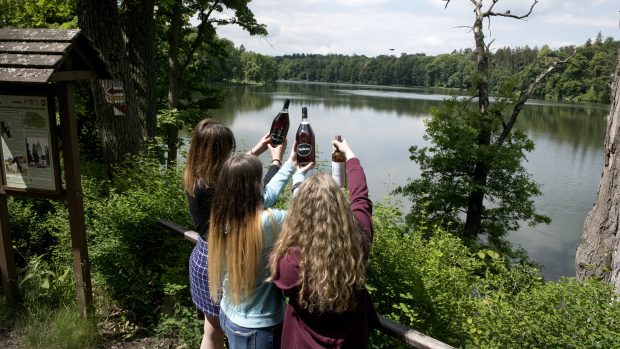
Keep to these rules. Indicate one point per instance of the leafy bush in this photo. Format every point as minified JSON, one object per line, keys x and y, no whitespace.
{"x":41,"y":284}
{"x":429,"y":280}
{"x":563,"y":314}
{"x":131,"y":254}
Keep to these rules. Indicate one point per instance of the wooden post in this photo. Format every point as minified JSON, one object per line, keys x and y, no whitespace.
{"x":7,"y":258}
{"x":71,"y":156}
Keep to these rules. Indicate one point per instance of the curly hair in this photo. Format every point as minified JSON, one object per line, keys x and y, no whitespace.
{"x":332,"y":265}
{"x":211,"y":145}
{"x":235,"y":235}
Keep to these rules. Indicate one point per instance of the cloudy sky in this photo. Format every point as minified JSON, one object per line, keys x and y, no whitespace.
{"x":374,"y":27}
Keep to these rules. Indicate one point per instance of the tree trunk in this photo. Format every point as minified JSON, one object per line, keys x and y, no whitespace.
{"x":120,"y":135}
{"x":174,"y":79}
{"x":138,"y":21}
{"x":598,"y":253}
{"x":475,"y":202}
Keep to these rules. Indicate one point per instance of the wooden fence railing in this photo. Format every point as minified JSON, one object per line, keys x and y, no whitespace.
{"x":412,"y":338}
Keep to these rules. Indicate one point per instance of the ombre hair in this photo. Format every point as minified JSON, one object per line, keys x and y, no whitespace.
{"x":332,"y":259}
{"x":235,"y":233}
{"x":211,"y":145}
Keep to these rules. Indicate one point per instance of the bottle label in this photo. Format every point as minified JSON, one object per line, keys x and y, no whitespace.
{"x":304,"y":149}
{"x":338,"y":173}
{"x":277,"y":137}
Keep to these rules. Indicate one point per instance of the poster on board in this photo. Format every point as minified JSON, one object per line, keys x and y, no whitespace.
{"x":26,"y":142}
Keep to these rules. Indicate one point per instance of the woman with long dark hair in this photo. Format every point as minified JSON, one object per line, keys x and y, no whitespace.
{"x":212,"y":143}
{"x":242,"y":232}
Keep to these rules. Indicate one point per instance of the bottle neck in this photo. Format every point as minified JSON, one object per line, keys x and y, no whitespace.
{"x":304,"y":120}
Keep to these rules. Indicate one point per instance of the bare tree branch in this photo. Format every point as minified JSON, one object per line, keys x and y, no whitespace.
{"x":525,"y":95}
{"x":447,"y":2}
{"x":489,"y":13}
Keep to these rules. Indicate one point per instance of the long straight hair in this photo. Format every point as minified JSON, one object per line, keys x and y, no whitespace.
{"x":211,"y":145}
{"x":235,"y":233}
{"x":332,"y":259}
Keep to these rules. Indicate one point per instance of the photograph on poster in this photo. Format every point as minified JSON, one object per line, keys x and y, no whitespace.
{"x":38,"y":152}
{"x":16,"y":165}
{"x":6,"y":129}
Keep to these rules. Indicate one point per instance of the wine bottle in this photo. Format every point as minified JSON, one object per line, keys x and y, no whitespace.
{"x":280,"y":125}
{"x":338,"y":165}
{"x":305,"y":140}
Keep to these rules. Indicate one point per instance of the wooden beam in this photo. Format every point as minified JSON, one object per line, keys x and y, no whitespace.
{"x":71,"y":155}
{"x":29,"y":75}
{"x":410,"y":337}
{"x":23,"y":34}
{"x":7,"y":257}
{"x":19,"y":60}
{"x":73,"y":75}
{"x":34,"y":47}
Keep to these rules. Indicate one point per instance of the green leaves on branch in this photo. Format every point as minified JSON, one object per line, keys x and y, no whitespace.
{"x":441,"y":193}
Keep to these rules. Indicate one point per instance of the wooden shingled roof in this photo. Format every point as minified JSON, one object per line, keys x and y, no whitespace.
{"x":48,"y":55}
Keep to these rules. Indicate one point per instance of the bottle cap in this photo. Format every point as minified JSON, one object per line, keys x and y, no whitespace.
{"x":286,"y":103}
{"x":304,"y":112}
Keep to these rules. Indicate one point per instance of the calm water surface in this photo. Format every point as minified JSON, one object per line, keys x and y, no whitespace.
{"x":381,"y":124}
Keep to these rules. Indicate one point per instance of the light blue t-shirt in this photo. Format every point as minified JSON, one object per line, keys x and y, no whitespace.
{"x":266,"y":306}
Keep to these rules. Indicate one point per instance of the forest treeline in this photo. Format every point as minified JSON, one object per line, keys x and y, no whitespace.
{"x":587,"y":77}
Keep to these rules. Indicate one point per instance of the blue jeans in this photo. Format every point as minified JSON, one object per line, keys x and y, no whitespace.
{"x":250,"y":338}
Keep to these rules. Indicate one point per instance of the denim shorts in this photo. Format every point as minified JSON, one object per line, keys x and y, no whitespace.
{"x":250,"y":338}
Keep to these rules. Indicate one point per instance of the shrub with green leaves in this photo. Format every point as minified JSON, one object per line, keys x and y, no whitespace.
{"x":429,"y":280}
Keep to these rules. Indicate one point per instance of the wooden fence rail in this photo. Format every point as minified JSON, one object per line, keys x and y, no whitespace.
{"x":412,"y":338}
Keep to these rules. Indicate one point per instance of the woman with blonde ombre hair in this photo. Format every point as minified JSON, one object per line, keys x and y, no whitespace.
{"x":211,"y":145}
{"x":319,"y":262}
{"x":242,"y":232}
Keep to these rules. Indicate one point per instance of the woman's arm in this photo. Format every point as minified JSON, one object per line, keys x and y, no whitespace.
{"x":276,"y":161}
{"x":358,"y":190}
{"x":274,"y":187}
{"x":358,"y":196}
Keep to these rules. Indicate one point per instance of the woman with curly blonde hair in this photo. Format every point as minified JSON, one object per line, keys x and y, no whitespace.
{"x":319,"y":262}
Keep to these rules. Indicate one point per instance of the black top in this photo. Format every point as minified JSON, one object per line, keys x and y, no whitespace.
{"x":200,"y":203}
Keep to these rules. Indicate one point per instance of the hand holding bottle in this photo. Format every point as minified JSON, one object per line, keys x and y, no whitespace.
{"x":261,"y":146}
{"x":293,"y":159}
{"x":277,"y":152}
{"x":344,"y":147}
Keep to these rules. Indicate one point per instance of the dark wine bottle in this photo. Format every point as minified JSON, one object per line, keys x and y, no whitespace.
{"x":280,"y":125}
{"x":305,"y":140}
{"x":338,"y":165}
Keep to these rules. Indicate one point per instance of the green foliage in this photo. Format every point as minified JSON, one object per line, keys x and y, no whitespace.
{"x":60,"y":328}
{"x":441,"y":193}
{"x":421,"y":283}
{"x":587,"y":78}
{"x":132,"y":256}
{"x":181,"y":322}
{"x":564,"y":314}
{"x":428,"y":280}
{"x":38,"y":14}
{"x":39,"y":284}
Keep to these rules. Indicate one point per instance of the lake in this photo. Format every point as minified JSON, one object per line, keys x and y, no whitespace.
{"x":381,"y":123}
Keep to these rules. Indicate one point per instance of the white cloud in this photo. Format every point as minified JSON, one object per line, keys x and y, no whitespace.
{"x":372,"y":27}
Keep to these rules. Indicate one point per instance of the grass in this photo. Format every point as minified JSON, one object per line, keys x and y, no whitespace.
{"x":60,"y":328}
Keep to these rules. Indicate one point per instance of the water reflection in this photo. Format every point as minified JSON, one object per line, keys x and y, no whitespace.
{"x":382,"y":123}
